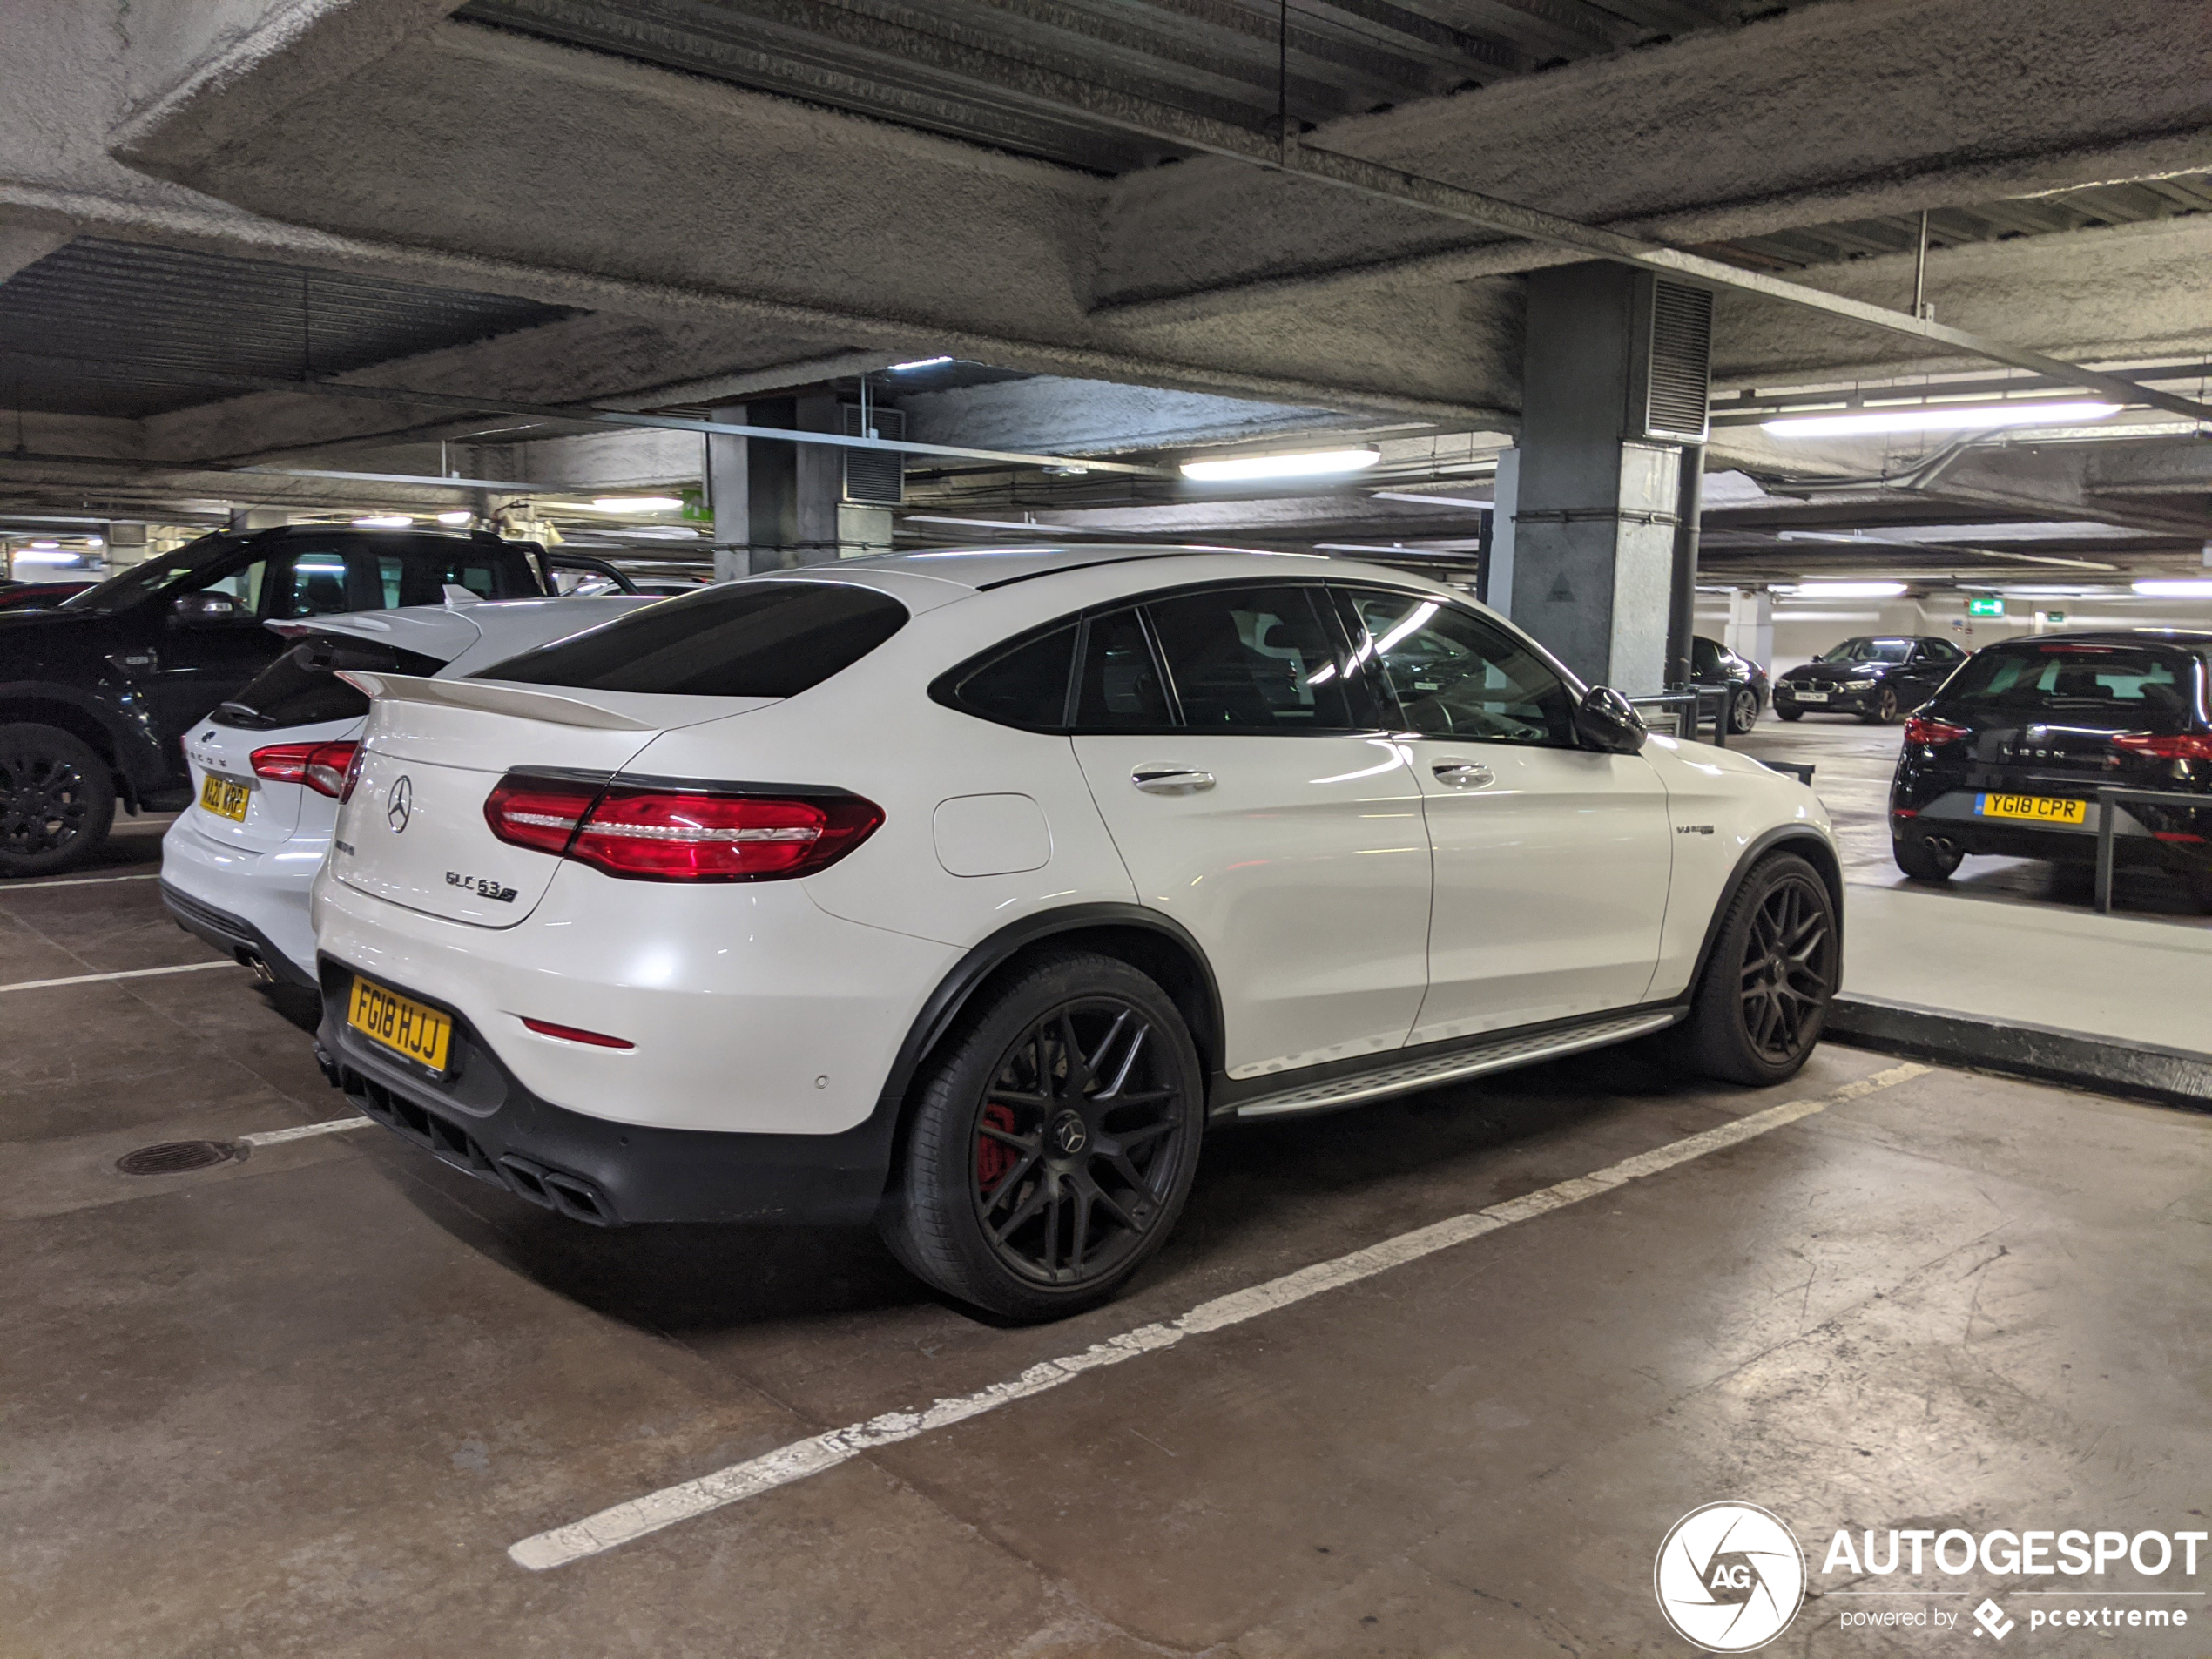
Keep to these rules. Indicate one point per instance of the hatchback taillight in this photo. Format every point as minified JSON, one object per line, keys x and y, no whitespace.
{"x":1923,"y":728}
{"x":650,"y":835}
{"x":326,"y":768}
{"x":353,"y":775}
{"x":2188,"y":746}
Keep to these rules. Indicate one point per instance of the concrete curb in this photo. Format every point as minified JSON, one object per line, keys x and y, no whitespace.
{"x":2145,"y":1071}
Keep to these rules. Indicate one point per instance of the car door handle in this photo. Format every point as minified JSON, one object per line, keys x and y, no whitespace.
{"x":1463,"y":774}
{"x":1170,"y":781}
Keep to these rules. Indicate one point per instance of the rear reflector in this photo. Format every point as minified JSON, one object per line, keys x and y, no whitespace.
{"x":662,"y":834}
{"x":573,"y":1034}
{"x":322,"y":767}
{"x":2188,"y":746}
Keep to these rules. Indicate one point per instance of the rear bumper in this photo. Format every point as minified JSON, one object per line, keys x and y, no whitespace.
{"x":480,"y":1119}
{"x":241,"y":901}
{"x":1952,"y":818}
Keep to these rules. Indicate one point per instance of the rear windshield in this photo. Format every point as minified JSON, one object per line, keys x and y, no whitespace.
{"x":302,"y":687}
{"x":1868,"y":650}
{"x":2114,"y":685}
{"x":743,"y":639}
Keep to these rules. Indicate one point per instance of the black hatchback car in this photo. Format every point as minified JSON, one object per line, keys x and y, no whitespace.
{"x":96,"y":694}
{"x":2008,"y":757}
{"x":1878,"y":677}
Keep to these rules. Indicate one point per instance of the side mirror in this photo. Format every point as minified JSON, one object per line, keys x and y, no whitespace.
{"x":1606,"y":721}
{"x":193,"y":609}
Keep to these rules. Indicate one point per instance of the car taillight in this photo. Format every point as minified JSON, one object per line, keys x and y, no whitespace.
{"x":539,"y":812}
{"x":353,"y":775}
{"x":679,"y":834}
{"x":1923,"y":728}
{"x":326,"y":768}
{"x":2188,"y":746}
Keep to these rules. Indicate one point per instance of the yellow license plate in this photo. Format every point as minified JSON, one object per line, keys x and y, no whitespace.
{"x":225,"y":798}
{"x":401,"y":1023}
{"x":2033,"y":809}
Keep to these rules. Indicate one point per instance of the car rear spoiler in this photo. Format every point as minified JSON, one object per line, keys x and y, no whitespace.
{"x":549,"y":707}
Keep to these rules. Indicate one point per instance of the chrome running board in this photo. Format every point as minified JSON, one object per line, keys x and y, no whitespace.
{"x":1501,"y":1055}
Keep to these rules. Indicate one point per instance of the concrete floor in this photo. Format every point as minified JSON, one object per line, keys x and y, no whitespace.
{"x":302,"y":1404}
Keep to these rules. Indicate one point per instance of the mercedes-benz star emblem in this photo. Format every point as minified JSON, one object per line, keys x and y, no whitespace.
{"x":1069,"y":1134}
{"x":399,"y":806}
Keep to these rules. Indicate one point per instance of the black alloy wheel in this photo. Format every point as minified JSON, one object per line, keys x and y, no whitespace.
{"x":1885,"y":710}
{"x":57,"y":800}
{"x":1764,"y":996}
{"x":1744,"y":711}
{"x":1052,"y":1151}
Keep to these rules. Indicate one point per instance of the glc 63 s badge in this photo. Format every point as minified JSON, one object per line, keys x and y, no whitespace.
{"x":483,"y":887}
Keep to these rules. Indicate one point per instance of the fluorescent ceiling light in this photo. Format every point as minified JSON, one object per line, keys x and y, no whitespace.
{"x":635,"y":503}
{"x":1314,"y":463}
{"x":1969,"y":418}
{"x":43,"y":556}
{"x":2176,"y":588}
{"x":457,"y":518}
{"x":1433,"y":500}
{"x":383,"y":522}
{"x":46,"y":547}
{"x":918,"y":362}
{"x":1849,"y":590}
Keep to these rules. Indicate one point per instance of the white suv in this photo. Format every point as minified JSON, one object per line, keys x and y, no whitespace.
{"x":266,"y":766}
{"x":963,"y":890}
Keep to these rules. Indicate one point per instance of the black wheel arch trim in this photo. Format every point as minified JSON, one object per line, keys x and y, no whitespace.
{"x":1790,"y":837}
{"x":958,"y":988}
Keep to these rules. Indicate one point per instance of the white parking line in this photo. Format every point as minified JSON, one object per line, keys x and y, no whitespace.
{"x":128,"y":972}
{"x":279,"y":1136}
{"x":75,"y":881}
{"x":633,"y":1520}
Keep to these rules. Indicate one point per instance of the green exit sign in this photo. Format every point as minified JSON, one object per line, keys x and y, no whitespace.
{"x":2054,"y":616}
{"x":1986,"y":605}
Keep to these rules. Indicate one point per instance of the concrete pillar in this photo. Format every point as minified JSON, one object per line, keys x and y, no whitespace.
{"x":1593,"y":527}
{"x":1751,"y":625}
{"x":775,"y":504}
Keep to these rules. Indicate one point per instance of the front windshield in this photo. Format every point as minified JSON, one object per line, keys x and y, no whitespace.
{"x":1868,"y":650}
{"x":126,"y":588}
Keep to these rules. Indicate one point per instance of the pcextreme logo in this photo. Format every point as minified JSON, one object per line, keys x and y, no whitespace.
{"x":1730,"y":1577}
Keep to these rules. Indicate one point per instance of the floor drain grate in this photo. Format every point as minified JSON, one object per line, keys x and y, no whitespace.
{"x":174,"y":1158}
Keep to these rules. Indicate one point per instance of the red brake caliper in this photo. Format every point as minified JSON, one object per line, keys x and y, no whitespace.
{"x":993,"y":1158}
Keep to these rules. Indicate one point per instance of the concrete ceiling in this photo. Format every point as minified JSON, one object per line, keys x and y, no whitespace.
{"x":670,"y":202}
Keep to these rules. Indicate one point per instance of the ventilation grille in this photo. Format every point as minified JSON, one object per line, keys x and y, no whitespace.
{"x":875,"y":477}
{"x":1682,"y":362}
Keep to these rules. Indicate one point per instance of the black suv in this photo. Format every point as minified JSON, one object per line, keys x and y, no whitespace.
{"x":1878,"y":678}
{"x":2008,"y":757}
{"x":96,"y":694}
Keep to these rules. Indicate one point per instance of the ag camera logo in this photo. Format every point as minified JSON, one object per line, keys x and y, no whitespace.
{"x":1730,"y":1577}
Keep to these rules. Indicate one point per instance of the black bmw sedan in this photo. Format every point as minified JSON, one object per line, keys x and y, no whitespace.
{"x":1876,"y":678}
{"x":2008,"y":756}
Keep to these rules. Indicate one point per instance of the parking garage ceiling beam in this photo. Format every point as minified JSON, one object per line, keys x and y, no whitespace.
{"x":1288,"y":155}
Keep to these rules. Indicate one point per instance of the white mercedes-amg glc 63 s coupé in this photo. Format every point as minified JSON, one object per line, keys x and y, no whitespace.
{"x":964,"y":891}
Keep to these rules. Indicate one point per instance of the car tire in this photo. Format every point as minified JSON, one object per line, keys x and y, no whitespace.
{"x":1024,"y":1189}
{"x":1762,"y":999}
{"x":1884,"y":711}
{"x":1744,"y":711}
{"x":57,"y":800}
{"x":1924,"y":860}
{"x":1781,"y":713}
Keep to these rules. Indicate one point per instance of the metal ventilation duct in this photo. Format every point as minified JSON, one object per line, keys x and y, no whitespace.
{"x":1675,"y":359}
{"x":875,"y":477}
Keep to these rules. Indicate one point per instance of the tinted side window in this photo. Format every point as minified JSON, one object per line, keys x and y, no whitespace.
{"x":1121,"y":690}
{"x":1457,"y":677}
{"x":1252,"y":659}
{"x":1704,"y":658}
{"x":742,"y":639}
{"x":1027,"y":687}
